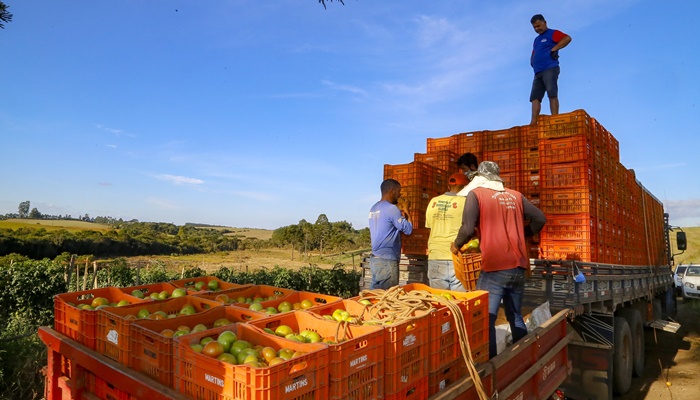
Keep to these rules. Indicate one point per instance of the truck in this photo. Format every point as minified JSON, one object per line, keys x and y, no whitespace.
{"x":604,"y":266}
{"x":604,"y":262}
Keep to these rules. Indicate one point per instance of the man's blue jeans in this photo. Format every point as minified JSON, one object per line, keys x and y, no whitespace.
{"x":441,"y":274}
{"x":385,"y":273}
{"x":507,"y":285}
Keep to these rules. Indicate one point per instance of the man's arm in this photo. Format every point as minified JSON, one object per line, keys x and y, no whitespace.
{"x":562,"y":41}
{"x":535,"y":216}
{"x":470,"y":217}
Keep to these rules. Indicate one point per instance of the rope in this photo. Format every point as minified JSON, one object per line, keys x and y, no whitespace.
{"x":397,"y":306}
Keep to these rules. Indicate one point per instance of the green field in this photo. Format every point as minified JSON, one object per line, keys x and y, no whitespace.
{"x":72,"y":225}
{"x":69,"y":225}
{"x":693,"y":252}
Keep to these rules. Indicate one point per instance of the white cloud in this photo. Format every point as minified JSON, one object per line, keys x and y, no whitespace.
{"x":344,"y":88}
{"x":179,"y":180}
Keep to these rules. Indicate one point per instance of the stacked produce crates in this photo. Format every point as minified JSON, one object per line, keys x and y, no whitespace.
{"x":569,"y":166}
{"x":148,"y":341}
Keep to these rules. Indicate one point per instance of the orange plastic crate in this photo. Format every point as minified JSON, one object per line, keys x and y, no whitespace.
{"x":152,"y":353}
{"x":449,"y":143}
{"x":529,"y":136}
{"x":507,"y":160}
{"x":504,"y":139}
{"x":443,"y":159}
{"x":114,"y":324}
{"x":443,"y":335}
{"x":81,"y":325}
{"x":572,"y":175}
{"x":249,"y":292}
{"x":468,"y":272}
{"x":414,"y":173}
{"x":512,"y":180}
{"x":361,"y":349}
{"x":406,"y":351}
{"x":189,"y":284}
{"x":104,"y":390}
{"x":417,"y":242}
{"x":530,"y":182}
{"x":567,"y":201}
{"x":203,"y":377}
{"x":568,"y":250}
{"x":445,"y":376}
{"x":563,"y":125}
{"x":575,"y":148}
{"x":581,"y":227}
{"x":469,"y":142}
{"x":417,"y":390}
{"x":531,"y":160}
{"x":150,"y":288}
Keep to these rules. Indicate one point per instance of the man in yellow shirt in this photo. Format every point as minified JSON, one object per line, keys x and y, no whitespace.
{"x":444,"y":218}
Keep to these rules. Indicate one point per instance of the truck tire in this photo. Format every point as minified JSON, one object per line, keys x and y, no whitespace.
{"x":634,"y":320}
{"x":622,"y":356}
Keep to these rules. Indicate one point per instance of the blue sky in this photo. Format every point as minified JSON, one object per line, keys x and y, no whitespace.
{"x":262,"y":113}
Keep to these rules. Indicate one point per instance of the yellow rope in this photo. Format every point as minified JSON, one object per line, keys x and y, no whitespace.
{"x":397,"y":306}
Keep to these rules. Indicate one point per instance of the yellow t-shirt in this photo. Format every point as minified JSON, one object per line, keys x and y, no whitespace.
{"x":444,"y":218}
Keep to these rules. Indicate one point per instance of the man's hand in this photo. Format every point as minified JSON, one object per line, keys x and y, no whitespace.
{"x":454,"y":249}
{"x":554,"y":54}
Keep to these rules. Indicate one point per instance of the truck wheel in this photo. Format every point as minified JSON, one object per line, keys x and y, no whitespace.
{"x":634,"y":320}
{"x":622,"y":356}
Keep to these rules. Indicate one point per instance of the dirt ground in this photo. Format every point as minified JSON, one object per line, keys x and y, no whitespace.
{"x":672,"y":358}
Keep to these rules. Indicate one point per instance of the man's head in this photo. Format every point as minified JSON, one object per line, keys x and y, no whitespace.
{"x":538,"y":23}
{"x":490,"y":171}
{"x":391,"y":190}
{"x":457,"y":181}
{"x":467,"y":162}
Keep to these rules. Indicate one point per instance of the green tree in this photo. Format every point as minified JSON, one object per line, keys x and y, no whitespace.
{"x":23,"y":209}
{"x":35,"y":214}
{"x":307,"y":231}
{"x":322,"y":229}
{"x":6,"y":16}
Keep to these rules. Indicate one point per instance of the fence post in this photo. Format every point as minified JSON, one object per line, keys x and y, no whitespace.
{"x":68,"y":275}
{"x":87,"y":263}
{"x":94,"y":274}
{"x":138,"y":273}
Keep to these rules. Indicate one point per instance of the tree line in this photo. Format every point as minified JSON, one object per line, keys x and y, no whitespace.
{"x":134,"y":238}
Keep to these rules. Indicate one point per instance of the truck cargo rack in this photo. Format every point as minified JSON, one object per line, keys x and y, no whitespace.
{"x":605,"y":286}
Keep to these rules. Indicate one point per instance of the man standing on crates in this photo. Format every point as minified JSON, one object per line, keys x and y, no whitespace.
{"x":386,"y":223}
{"x":545,"y":62}
{"x":444,"y":218}
{"x":500,"y":217}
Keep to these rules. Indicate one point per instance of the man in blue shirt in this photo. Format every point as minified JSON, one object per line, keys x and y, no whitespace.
{"x":386,"y":223}
{"x":545,"y":62}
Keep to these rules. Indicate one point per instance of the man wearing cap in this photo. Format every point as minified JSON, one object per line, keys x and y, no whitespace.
{"x":500,"y":217}
{"x":386,"y":223}
{"x":444,"y":217}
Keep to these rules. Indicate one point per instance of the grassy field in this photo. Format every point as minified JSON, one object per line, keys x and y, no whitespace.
{"x":693,"y":252}
{"x":69,"y":225}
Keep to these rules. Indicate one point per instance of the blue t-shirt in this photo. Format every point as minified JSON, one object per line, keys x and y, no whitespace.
{"x":385,"y":226}
{"x":541,"y":58}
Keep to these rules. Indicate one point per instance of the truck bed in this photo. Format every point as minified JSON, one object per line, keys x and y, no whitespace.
{"x":606,"y":286}
{"x":534,"y":367}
